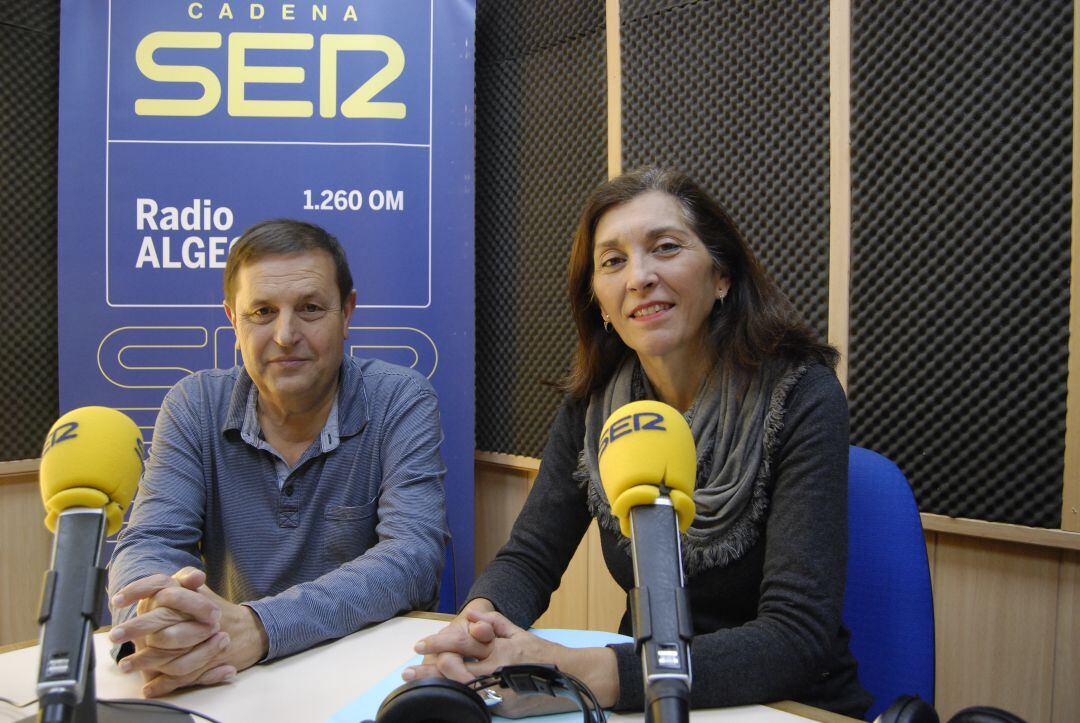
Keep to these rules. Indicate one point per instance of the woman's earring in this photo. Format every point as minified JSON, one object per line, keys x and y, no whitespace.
{"x":607,"y":323}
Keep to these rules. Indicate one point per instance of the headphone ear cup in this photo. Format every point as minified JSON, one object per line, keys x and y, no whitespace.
{"x":908,"y":709}
{"x":433,"y":700}
{"x":985,"y":714}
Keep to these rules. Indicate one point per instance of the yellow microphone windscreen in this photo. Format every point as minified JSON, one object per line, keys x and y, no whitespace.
{"x":643,"y":445}
{"x":93,"y":457}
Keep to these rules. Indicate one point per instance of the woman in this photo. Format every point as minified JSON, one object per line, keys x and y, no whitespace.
{"x":670,"y":304}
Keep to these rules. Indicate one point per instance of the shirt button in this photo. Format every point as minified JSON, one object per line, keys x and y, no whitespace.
{"x":288,"y":490}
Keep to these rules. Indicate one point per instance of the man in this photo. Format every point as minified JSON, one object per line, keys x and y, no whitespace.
{"x":287,"y":501}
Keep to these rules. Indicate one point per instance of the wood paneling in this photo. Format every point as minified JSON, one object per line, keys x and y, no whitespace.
{"x":996,"y":607}
{"x":607,"y":601}
{"x":840,"y":180}
{"x":25,"y":552}
{"x":931,"y":550}
{"x":614,"y":88}
{"x":1001,"y":531}
{"x":1067,"y":653}
{"x":1070,"y":499}
{"x":569,"y":604}
{"x":500,"y":493}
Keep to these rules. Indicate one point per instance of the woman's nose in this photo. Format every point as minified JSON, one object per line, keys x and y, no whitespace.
{"x":642,"y":274}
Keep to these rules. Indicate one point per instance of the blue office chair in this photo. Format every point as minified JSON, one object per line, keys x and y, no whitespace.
{"x":888,"y":605}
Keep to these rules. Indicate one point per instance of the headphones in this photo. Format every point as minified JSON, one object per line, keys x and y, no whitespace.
{"x":913,"y":709}
{"x":438,"y":700}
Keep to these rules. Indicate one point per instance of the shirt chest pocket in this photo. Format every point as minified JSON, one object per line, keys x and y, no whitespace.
{"x":349,"y":531}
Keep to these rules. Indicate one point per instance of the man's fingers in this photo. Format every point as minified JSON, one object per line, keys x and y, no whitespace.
{"x":213,"y":672}
{"x":192,"y":604}
{"x":181,"y":636}
{"x":190,"y":577}
{"x":220,"y":674}
{"x":147,"y":660}
{"x":154,"y":661}
{"x":142,"y":588}
{"x":198,"y":658}
{"x":164,"y":684}
{"x":145,"y":624}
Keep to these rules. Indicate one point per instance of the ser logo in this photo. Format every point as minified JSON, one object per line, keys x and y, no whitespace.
{"x":62,"y":433}
{"x":639,"y":422}
{"x":240,"y":74}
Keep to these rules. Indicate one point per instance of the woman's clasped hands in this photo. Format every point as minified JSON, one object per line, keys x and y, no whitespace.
{"x":480,"y":640}
{"x":476,"y":643}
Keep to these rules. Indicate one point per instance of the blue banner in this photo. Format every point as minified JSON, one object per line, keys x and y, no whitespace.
{"x":182,"y":123}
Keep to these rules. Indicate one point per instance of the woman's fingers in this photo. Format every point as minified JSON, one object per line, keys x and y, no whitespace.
{"x":482,"y":632}
{"x":499,"y":623}
{"x":454,"y":639}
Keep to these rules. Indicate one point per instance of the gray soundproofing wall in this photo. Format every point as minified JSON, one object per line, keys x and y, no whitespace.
{"x":736,"y":93}
{"x":961,"y":157}
{"x":541,"y":147}
{"x":29,"y":81}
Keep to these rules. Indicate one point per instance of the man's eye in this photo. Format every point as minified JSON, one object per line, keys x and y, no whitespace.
{"x":261,"y":313}
{"x":311,"y":312}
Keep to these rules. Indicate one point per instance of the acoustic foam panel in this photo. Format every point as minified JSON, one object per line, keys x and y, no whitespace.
{"x":737,"y":95}
{"x":541,"y":129}
{"x":29,"y":67}
{"x":961,"y":161}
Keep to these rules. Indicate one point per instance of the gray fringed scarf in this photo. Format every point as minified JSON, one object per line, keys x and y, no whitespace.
{"x":736,"y":428}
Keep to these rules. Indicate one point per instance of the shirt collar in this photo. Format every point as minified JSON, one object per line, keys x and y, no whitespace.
{"x":349,"y":413}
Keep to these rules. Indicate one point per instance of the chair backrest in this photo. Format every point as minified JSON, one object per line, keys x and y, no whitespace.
{"x":888,"y":604}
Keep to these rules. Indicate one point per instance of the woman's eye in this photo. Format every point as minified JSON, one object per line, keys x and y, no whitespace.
{"x":610,"y":262}
{"x":667,"y":246}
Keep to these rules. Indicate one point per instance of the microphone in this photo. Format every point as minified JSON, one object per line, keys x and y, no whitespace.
{"x":648,"y":466}
{"x":90,"y":467}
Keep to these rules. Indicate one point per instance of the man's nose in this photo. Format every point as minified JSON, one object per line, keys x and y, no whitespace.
{"x":285,"y":328}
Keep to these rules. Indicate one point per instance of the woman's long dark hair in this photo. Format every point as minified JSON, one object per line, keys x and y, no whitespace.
{"x":755,"y":324}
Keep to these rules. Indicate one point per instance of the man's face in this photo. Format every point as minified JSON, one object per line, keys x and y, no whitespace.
{"x":290,"y":328}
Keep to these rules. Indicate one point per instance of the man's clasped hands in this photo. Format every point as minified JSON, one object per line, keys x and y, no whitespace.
{"x":184,"y":633}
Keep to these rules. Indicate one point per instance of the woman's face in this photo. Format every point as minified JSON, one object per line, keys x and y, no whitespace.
{"x":654,"y":278}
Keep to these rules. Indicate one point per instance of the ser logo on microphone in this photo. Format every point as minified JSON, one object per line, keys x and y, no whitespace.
{"x":638,"y":422}
{"x":62,"y":433}
{"x":69,"y":430}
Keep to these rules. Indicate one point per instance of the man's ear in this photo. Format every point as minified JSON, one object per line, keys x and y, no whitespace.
{"x":232,"y":321}
{"x":347,"y":310}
